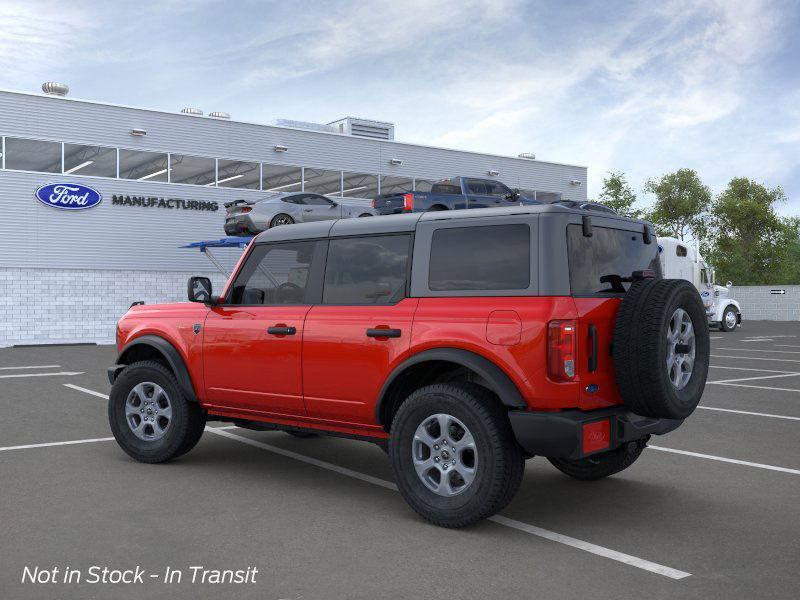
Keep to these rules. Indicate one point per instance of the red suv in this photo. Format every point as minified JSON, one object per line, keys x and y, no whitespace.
{"x":463,"y":342}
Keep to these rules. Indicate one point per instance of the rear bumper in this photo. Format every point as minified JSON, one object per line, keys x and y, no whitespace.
{"x":561,"y":434}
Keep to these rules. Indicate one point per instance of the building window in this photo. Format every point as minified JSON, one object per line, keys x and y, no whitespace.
{"x":237,"y":174}
{"x":280,"y":178}
{"x":143,"y":166}
{"x":321,"y":181}
{"x":33,"y":155}
{"x":503,"y":261}
{"x":360,"y":185}
{"x":424,"y":185}
{"x":396,"y":185}
{"x":366,"y":270}
{"x":96,"y":161}
{"x":194,"y":170}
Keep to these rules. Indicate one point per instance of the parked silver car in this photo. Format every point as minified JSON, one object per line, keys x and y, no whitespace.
{"x":249,"y":217}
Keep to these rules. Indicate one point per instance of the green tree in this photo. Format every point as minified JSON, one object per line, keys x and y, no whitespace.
{"x":750,"y":243}
{"x":681,"y":204}
{"x":617,"y":194}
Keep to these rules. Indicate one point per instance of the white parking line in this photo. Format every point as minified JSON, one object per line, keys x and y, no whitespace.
{"x":755,"y":358}
{"x":754,"y":378}
{"x":747,"y":412}
{"x":758,"y":387}
{"x":518,"y":525}
{"x":748,"y":369}
{"x":49,"y":444}
{"x":727,"y":460}
{"x":31,"y":367}
{"x":759,"y":350}
{"x":787,"y":346}
{"x":16,"y":375}
{"x":84,"y":390}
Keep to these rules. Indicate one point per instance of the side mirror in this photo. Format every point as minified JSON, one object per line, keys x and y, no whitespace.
{"x":334,"y":204}
{"x":199,"y":289}
{"x":729,"y":285}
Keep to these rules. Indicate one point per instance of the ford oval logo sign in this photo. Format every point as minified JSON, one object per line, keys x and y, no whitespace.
{"x":68,"y":196}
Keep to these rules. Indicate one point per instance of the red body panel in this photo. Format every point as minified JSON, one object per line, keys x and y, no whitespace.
{"x":329,"y":374}
{"x":343,"y":369}
{"x":248,"y":368}
{"x":173,"y":322}
{"x":600,"y":312}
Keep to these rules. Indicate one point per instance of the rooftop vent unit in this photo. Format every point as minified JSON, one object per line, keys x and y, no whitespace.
{"x":527,"y":155}
{"x":303,"y":125}
{"x":192,"y":111}
{"x":219,"y":115}
{"x":376,"y":130}
{"x":51,"y":88}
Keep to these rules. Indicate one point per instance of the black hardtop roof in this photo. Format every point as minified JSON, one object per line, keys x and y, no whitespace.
{"x":408,"y":222}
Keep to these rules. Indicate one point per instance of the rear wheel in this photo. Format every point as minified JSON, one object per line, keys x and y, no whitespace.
{"x":281,"y":219}
{"x":729,"y":319}
{"x":149,"y":416}
{"x":454,"y":456}
{"x":601,"y":465}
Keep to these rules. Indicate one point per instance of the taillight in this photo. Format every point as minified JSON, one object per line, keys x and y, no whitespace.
{"x":374,"y":200}
{"x":561,"y":343}
{"x":246,"y":209}
{"x":596,"y":436}
{"x":408,"y":202}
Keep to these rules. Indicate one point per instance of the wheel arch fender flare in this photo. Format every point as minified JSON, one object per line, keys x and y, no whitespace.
{"x":498,"y":381}
{"x":170,"y":354}
{"x":723,"y":306}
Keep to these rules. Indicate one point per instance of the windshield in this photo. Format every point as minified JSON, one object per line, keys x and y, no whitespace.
{"x":605,"y":262}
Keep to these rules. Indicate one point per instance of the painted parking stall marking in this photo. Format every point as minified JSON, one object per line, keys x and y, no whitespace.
{"x":31,"y":367}
{"x":19,"y":375}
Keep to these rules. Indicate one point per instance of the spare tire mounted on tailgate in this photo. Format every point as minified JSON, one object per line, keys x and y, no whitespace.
{"x":661,"y":348}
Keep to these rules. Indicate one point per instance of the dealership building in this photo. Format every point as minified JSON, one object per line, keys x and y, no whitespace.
{"x":161,"y":179}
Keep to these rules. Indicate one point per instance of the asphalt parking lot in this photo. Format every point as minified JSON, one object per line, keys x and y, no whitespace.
{"x":709,"y":511}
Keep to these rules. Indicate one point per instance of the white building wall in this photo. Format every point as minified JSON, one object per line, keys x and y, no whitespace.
{"x":41,"y":306}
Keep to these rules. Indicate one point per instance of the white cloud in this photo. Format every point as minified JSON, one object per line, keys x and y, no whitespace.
{"x":36,"y":37}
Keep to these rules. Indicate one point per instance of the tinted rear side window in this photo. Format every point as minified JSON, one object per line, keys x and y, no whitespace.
{"x":491,"y":257}
{"x":367,"y":270}
{"x":607,"y":253}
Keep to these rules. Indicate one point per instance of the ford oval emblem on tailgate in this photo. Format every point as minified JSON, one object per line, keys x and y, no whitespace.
{"x":68,"y":196}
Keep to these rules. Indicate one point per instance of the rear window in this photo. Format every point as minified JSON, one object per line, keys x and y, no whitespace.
{"x":492,"y":257}
{"x":609,"y":254}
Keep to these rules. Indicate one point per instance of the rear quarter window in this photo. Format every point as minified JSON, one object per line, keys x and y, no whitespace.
{"x":491,"y":257}
{"x":606,"y":253}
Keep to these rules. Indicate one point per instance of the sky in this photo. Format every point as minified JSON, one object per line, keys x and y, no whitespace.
{"x":639,"y":87}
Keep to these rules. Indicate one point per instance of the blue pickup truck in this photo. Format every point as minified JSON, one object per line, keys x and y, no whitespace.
{"x":452,"y":194}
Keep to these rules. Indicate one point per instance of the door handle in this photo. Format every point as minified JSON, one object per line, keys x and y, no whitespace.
{"x":593,"y":349}
{"x":308,"y":210}
{"x":281,"y":330}
{"x":378,"y":332}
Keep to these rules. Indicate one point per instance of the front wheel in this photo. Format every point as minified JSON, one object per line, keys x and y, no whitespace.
{"x":729,"y":319}
{"x":454,"y":456}
{"x":149,"y":416}
{"x":601,"y":465}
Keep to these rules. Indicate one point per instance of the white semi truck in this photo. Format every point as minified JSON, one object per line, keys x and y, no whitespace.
{"x":681,"y":261}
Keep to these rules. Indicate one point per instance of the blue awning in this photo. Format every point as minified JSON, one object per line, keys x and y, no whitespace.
{"x":226,"y":242}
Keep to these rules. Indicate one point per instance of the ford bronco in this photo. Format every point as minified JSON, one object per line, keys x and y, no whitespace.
{"x":463,"y":342}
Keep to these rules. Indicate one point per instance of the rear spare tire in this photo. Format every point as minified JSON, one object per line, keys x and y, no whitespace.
{"x":661,"y":348}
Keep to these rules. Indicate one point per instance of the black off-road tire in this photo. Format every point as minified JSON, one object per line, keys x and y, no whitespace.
{"x":640,"y":348}
{"x":723,"y":325}
{"x":600,"y":465}
{"x":186,"y":426}
{"x":500,"y":465}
